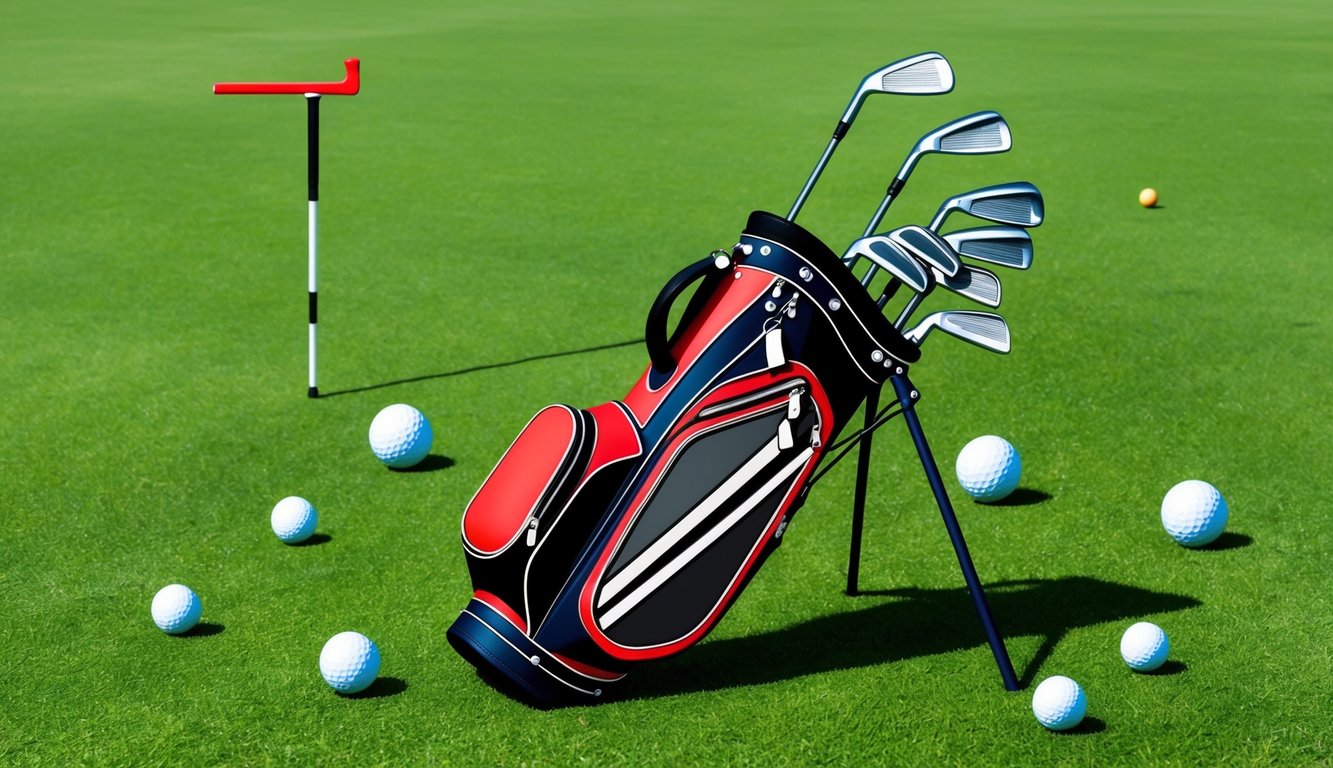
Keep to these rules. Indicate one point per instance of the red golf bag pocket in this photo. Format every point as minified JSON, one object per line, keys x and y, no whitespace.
{"x":530,"y":478}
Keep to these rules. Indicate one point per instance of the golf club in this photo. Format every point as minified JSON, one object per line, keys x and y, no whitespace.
{"x":982,"y":133}
{"x":925,"y":74}
{"x":884,"y":252}
{"x":1017,"y":203}
{"x":1005,"y":246}
{"x":979,"y":285}
{"x":924,"y":246}
{"x":983,"y":329}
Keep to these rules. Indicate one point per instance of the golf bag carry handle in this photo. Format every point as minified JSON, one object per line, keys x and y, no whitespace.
{"x":655,"y":330}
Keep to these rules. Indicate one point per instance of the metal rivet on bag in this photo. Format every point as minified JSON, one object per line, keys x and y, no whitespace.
{"x":765,"y":250}
{"x":721,"y":261}
{"x":834,"y":305}
{"x":915,"y":394}
{"x":888,"y":364}
{"x":738,"y":274}
{"x":898,"y":370}
{"x":770,"y":306}
{"x":747,"y":249}
{"x":791,"y":312}
{"x":536,"y":660}
{"x":806,"y":274}
{"x":877,"y":356}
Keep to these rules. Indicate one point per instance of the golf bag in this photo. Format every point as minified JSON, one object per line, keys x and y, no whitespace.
{"x":619,"y":534}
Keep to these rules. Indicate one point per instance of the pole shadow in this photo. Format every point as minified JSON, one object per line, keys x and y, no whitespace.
{"x":911,"y":622}
{"x":476,"y":368}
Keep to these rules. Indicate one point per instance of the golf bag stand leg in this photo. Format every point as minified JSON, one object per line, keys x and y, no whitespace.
{"x":907,"y":398}
{"x":859,"y":502}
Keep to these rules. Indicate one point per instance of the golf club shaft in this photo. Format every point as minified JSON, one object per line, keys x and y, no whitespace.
{"x":312,"y":148}
{"x":838,"y":133}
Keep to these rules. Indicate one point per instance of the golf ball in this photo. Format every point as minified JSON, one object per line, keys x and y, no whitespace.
{"x":400,"y":436}
{"x":349,"y":662}
{"x":1148,"y":198}
{"x":176,"y":609}
{"x":1059,"y":703}
{"x":1194,"y":513}
{"x":294,"y":520}
{"x":988,"y":468}
{"x":1144,"y":647}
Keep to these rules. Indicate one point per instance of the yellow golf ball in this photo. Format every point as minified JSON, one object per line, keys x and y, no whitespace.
{"x":1148,"y":198}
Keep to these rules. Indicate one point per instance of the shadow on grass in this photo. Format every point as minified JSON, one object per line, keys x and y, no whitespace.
{"x":1089,"y":725}
{"x":476,"y":368}
{"x":912,"y":622}
{"x":1227,"y":541}
{"x":314,"y":541}
{"x":383,"y":687}
{"x":432,"y":463}
{"x":1021,"y":497}
{"x":1168,"y":668}
{"x":203,"y":629}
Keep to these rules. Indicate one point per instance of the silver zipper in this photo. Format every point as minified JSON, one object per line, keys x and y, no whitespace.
{"x":746,"y":400}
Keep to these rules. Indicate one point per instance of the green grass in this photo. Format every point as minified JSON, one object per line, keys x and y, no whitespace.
{"x":518,"y":180}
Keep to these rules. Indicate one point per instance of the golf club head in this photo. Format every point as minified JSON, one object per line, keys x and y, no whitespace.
{"x":924,"y":74}
{"x":1017,"y":204}
{"x":928,"y":247}
{"x":888,"y":255}
{"x":979,"y":285}
{"x":983,"y":329}
{"x":1004,"y":246}
{"x":981,"y":133}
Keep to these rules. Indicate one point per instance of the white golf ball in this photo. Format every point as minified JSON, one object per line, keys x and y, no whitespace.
{"x":1059,"y":703}
{"x":1144,"y":647}
{"x":988,"y":468}
{"x":294,"y":520}
{"x":349,"y":662}
{"x":1194,"y":513}
{"x":176,"y":609}
{"x":400,"y":436}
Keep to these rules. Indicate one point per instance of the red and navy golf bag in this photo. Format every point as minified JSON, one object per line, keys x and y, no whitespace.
{"x":622,"y":533}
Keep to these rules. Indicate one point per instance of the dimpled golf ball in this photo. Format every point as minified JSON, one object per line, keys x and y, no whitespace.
{"x":1148,"y":198}
{"x":349,"y":662}
{"x":1194,"y":513}
{"x":988,"y":468}
{"x":294,"y":520}
{"x":1144,"y":647}
{"x":176,"y":609}
{"x":400,"y":436}
{"x":1059,"y":703}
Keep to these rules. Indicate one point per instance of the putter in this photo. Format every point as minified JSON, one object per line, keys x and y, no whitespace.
{"x":1004,"y":246}
{"x":982,"y":133}
{"x":1017,"y":203}
{"x":925,"y":74}
{"x":983,"y":329}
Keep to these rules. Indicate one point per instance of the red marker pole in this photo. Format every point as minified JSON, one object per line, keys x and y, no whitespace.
{"x":349,"y":86}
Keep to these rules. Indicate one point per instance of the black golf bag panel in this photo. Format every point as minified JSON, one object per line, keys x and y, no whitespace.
{"x":623,"y":533}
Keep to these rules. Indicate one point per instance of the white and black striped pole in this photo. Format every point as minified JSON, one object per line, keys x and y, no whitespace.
{"x":349,"y":86}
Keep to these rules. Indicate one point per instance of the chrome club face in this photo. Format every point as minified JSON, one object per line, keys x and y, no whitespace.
{"x":884,"y":253}
{"x":1005,"y":246}
{"x":984,"y":329}
{"x":1017,"y":204}
{"x":927,"y":247}
{"x":925,"y":74}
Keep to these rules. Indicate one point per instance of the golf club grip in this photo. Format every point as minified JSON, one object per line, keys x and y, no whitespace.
{"x":655,"y":330}
{"x":349,"y":86}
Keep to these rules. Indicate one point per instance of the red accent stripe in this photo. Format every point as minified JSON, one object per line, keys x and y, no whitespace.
{"x":351,"y":83}
{"x":617,"y":438}
{"x":500,"y":607}
{"x":721,"y":310}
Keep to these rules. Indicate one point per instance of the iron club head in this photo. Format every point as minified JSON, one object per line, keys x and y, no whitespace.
{"x":984,"y":329}
{"x":1017,"y":203}
{"x":1006,"y":246}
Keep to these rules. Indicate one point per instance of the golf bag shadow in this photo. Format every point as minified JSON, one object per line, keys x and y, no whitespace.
{"x":615,"y":535}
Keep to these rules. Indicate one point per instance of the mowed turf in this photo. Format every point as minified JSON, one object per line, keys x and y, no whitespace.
{"x":500,"y":205}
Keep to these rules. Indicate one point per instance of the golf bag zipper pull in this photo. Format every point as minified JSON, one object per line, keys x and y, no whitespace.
{"x":777,"y":288}
{"x":794,"y":403}
{"x":773,"y":351}
{"x":532,"y":531}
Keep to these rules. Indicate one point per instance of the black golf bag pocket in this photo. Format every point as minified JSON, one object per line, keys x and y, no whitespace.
{"x":714,"y":504}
